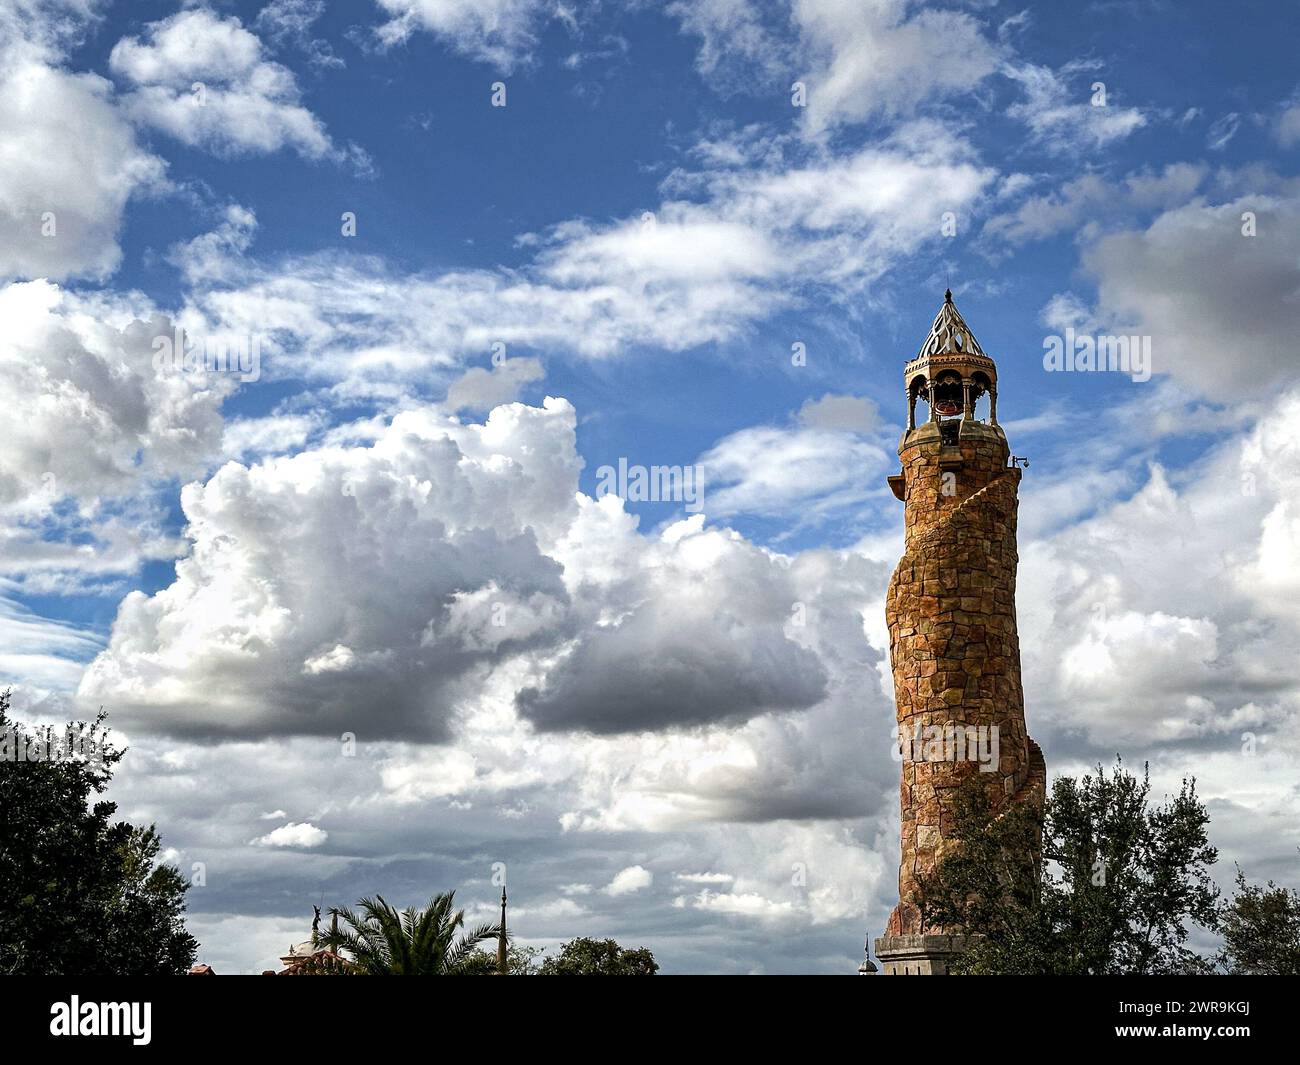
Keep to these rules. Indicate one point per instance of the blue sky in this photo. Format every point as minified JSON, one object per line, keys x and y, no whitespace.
{"x":240,"y":571}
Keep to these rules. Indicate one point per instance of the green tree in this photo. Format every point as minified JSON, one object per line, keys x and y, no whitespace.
{"x":1112,"y":889}
{"x":992,"y":882}
{"x":594,"y":957}
{"x":1261,"y":930}
{"x":432,"y":941}
{"x":520,"y":961}
{"x":80,"y":893}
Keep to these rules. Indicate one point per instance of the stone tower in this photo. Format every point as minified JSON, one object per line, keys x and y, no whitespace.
{"x":952,"y":623}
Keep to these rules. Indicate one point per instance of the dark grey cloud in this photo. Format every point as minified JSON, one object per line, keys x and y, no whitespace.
{"x":640,"y":675}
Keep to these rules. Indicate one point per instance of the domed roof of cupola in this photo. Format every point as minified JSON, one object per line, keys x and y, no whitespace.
{"x":950,"y":349}
{"x":950,"y":335}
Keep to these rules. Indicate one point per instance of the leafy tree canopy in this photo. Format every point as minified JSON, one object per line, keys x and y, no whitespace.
{"x":520,"y":961}
{"x":80,"y":893}
{"x":594,"y":957}
{"x":1261,"y":930}
{"x":1111,"y":890}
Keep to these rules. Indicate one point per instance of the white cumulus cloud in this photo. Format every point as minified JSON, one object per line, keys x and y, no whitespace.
{"x":633,"y":878}
{"x":205,"y":80}
{"x":295,"y":834}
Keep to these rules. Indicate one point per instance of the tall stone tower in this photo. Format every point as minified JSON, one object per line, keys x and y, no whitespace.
{"x":952,"y":624}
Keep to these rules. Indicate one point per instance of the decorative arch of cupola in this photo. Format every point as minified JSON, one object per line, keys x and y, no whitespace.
{"x":917,"y":387}
{"x":980,"y":386}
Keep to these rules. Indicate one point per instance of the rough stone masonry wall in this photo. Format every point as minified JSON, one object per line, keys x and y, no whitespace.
{"x":953,"y":642}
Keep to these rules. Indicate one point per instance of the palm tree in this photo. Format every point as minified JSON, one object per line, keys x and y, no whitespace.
{"x":413,"y":942}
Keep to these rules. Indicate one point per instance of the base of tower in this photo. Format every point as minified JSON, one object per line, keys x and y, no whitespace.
{"x":919,"y":955}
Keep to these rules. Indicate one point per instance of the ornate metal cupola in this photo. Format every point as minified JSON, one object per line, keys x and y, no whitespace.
{"x":951,"y":372}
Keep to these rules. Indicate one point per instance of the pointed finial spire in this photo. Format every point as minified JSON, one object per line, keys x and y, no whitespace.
{"x":950,"y":334}
{"x":503,"y":962}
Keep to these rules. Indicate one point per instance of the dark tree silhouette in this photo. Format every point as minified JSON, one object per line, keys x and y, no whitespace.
{"x":594,"y":957}
{"x":1261,"y":930}
{"x":80,"y":893}
{"x":1112,"y":890}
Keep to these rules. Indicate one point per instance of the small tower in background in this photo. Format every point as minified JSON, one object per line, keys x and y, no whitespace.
{"x":503,"y":956}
